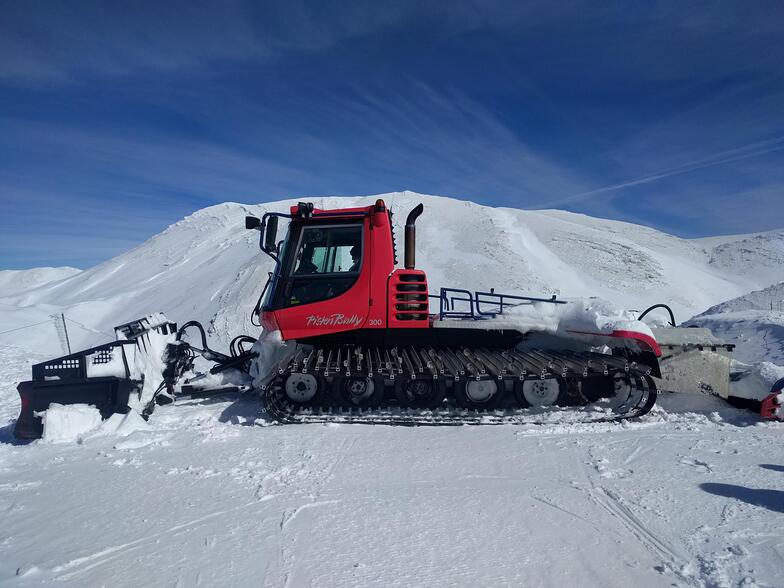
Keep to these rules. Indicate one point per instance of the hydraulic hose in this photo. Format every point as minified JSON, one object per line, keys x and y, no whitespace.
{"x":664,"y":306}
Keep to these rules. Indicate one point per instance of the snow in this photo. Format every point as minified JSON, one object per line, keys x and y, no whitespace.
{"x":272,"y":351}
{"x":149,"y":364}
{"x":201,"y":495}
{"x":69,"y":423}
{"x":590,"y":321}
{"x":588,"y":315}
{"x":105,"y":364}
{"x":16,"y":281}
{"x":748,"y":322}
{"x":758,"y":382}
{"x":197,"y":498}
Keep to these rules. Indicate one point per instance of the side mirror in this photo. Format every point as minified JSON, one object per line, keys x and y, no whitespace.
{"x":270,"y":243}
{"x":251,"y":222}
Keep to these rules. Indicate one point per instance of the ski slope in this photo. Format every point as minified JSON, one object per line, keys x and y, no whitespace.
{"x":205,"y":494}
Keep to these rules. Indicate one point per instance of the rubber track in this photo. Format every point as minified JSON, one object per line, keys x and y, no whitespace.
{"x":456,"y":365}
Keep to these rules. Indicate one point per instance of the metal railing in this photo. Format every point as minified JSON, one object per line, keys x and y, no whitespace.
{"x":464,"y":304}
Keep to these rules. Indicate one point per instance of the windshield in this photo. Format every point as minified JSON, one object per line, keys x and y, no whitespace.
{"x":328,"y":250}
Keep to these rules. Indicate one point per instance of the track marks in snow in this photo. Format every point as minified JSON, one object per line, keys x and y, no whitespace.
{"x":700,"y":466}
{"x":638,"y":452}
{"x":288,"y":537}
{"x":290,"y":515}
{"x":616,"y":507}
{"x":551,"y":504}
{"x":717,"y":565}
{"x":19,"y":486}
{"x":311,"y":474}
{"x":673,"y":559}
{"x":82,"y":564}
{"x":603,"y":466}
{"x":723,"y":551}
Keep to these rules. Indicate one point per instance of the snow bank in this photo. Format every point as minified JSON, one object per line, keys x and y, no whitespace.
{"x":765,"y":299}
{"x":758,"y":380}
{"x":149,"y":362}
{"x":588,"y":316}
{"x":600,"y":316}
{"x":757,"y":334}
{"x":17,"y":281}
{"x":122,"y":425}
{"x":69,"y":423}
{"x":73,"y":423}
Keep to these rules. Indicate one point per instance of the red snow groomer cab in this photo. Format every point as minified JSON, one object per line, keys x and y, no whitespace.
{"x":362,"y":335}
{"x":336,"y":273}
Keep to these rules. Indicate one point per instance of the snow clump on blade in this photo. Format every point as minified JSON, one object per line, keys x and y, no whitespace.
{"x":66,"y":424}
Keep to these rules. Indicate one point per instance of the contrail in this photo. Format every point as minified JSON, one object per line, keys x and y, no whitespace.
{"x":742,"y":153}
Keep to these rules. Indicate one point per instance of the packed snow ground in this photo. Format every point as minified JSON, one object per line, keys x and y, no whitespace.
{"x":204,"y":494}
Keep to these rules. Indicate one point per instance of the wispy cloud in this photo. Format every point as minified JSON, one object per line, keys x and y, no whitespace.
{"x":730,"y":156}
{"x":139,"y":180}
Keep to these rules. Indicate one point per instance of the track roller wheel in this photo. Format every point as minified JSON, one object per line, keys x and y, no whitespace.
{"x":484,"y":394}
{"x":420,"y":393}
{"x":303,"y":389}
{"x":539,"y":392}
{"x":597,"y":388}
{"x":618,"y":392}
{"x":359,"y":391}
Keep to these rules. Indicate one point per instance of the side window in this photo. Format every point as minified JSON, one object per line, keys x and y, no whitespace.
{"x":328,"y":250}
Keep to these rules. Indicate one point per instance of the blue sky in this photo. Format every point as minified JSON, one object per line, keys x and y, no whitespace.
{"x":117,"y":119}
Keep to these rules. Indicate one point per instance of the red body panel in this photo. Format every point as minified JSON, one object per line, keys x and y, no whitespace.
{"x":642,"y":339}
{"x":771,"y":407}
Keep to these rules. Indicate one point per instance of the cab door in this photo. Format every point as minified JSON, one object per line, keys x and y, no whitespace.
{"x":324,"y":286}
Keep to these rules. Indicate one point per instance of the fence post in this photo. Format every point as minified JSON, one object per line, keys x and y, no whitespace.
{"x":65,"y":328}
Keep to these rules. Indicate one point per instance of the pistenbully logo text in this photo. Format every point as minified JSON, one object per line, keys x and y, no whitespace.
{"x":337,"y":319}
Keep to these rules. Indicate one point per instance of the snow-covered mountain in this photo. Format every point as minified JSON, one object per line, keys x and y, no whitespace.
{"x":16,"y":281}
{"x":208,"y":267}
{"x":754,"y":322}
{"x":770,"y":299}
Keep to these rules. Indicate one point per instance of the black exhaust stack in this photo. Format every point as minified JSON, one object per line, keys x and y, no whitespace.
{"x":410,"y":254}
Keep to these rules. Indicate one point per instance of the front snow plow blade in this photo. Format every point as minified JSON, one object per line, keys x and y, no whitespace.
{"x":694,"y":361}
{"x":107,"y":376}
